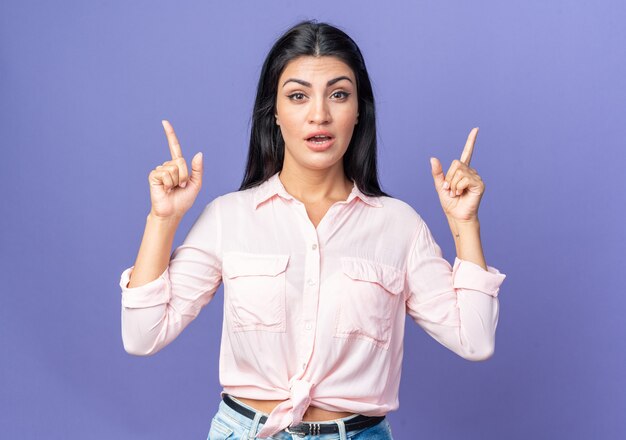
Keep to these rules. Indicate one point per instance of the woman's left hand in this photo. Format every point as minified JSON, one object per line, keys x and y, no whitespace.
{"x":461,"y":189}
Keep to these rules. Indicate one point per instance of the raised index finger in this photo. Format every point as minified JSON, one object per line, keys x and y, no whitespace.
{"x":172,"y":140}
{"x":466,"y":156}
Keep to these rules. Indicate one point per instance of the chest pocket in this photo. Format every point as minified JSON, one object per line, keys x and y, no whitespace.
{"x":255,"y":290}
{"x":368,"y":296}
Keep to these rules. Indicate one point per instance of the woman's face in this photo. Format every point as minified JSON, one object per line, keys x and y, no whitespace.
{"x":316,"y":95}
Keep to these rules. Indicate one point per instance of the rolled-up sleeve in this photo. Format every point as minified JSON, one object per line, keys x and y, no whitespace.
{"x":154,"y":314}
{"x":456,"y":305}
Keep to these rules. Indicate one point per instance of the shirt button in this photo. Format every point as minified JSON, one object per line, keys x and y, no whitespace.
{"x":311,"y":282}
{"x":308,"y":326}
{"x":314,"y":246}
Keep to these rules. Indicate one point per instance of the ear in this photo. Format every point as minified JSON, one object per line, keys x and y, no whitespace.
{"x":276,"y":116}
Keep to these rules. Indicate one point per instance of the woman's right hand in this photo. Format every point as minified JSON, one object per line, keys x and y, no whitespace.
{"x":172,"y":190}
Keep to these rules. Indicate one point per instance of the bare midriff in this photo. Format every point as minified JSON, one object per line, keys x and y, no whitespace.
{"x":312,"y":414}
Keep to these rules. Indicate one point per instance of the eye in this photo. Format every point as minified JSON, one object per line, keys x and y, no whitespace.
{"x":343,"y":95}
{"x":296,"y":96}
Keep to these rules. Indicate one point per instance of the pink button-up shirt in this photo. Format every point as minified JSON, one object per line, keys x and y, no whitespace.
{"x":314,"y":315}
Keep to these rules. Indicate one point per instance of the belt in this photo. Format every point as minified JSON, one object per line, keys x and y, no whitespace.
{"x":310,"y":428}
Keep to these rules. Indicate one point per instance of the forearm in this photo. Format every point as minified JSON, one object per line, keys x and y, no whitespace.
{"x":155,"y":250}
{"x":467,"y":241}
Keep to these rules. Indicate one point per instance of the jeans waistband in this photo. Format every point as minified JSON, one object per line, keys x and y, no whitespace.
{"x":346,"y":424}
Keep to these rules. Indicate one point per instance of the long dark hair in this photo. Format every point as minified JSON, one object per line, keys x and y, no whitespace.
{"x":267,"y":147}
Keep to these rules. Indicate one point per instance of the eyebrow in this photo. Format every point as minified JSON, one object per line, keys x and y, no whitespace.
{"x":308,"y":84}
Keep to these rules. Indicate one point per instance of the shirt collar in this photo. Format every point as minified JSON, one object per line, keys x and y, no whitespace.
{"x":274,"y":186}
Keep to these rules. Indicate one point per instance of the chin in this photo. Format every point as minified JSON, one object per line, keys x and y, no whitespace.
{"x":319,"y":163}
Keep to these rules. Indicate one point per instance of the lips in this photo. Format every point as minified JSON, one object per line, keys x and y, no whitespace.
{"x":320,"y":144}
{"x":319,"y":139}
{"x":319,"y":136}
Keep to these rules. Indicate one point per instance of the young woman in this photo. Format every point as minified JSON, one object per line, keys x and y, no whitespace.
{"x":319,"y":265}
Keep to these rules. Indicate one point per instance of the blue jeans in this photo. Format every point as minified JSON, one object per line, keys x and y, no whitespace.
{"x":229,"y":424}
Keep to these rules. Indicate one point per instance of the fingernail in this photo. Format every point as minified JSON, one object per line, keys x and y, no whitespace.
{"x":184,"y":184}
{"x":458,"y":192}
{"x":451,"y":193}
{"x":446,"y":185}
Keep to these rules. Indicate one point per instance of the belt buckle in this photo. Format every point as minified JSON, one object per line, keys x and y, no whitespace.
{"x":300,"y":430}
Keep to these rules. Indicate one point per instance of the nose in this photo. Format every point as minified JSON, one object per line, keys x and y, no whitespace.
{"x":319,"y":112}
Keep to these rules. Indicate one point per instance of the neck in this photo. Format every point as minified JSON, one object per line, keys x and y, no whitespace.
{"x":316,"y":186}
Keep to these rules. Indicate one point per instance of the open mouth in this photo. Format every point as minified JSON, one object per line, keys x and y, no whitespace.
{"x":319,"y":140}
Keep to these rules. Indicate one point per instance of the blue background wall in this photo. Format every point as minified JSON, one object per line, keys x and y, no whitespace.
{"x":84,"y":85}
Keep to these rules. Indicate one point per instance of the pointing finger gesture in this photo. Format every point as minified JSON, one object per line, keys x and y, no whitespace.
{"x":172,"y":190}
{"x":461,"y":188}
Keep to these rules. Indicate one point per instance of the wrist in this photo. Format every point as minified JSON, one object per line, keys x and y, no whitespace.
{"x":471,"y":222}
{"x":163,"y":221}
